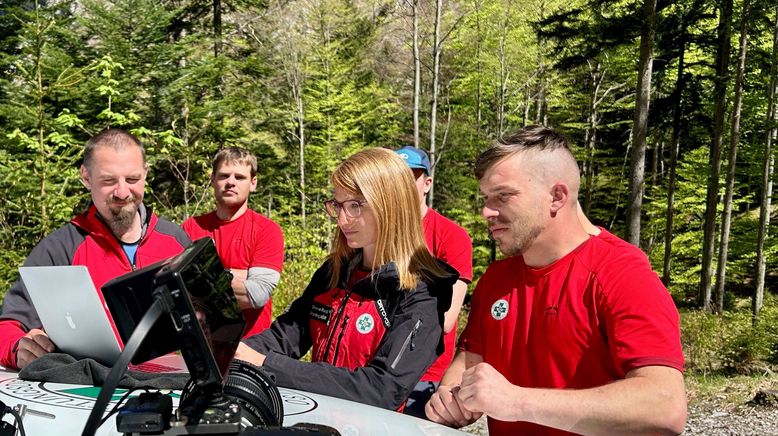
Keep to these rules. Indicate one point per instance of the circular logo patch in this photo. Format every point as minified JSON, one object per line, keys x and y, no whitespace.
{"x":499,"y":309}
{"x":296,"y":402}
{"x":365,"y":323}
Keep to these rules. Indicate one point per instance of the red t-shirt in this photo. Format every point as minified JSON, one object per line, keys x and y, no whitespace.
{"x":252,"y":240}
{"x":583,"y":321}
{"x":450,"y":243}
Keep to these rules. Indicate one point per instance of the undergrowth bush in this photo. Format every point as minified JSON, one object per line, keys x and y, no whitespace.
{"x":305,"y":251}
{"x":728,"y":343}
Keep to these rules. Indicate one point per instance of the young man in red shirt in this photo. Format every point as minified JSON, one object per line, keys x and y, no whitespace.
{"x":449,"y":242}
{"x":250,"y":245}
{"x":570,"y":333}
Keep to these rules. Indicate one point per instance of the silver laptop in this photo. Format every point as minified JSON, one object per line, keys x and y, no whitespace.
{"x":71,"y":311}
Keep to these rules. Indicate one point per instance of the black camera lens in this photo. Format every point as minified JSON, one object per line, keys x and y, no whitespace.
{"x":248,"y":386}
{"x":256,"y":392}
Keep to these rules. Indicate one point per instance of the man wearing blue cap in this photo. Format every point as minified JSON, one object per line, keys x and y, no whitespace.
{"x":449,"y":242}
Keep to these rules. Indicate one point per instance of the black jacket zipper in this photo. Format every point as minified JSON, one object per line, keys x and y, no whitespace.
{"x":408,"y":343}
{"x":337,"y":321}
{"x":340,"y":338}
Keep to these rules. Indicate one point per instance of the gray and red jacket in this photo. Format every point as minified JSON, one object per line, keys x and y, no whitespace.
{"x":371,"y":342}
{"x":85,"y":240}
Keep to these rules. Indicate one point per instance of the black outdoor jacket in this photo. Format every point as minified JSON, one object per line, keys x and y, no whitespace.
{"x":412,"y":341}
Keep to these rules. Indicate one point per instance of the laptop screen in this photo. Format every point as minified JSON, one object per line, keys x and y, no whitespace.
{"x":71,"y":312}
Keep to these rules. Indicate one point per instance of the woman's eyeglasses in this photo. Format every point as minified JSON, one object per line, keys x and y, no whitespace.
{"x":353,"y":208}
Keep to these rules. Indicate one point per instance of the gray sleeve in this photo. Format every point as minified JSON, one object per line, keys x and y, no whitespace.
{"x":58,"y":248}
{"x":17,"y":306}
{"x":259,"y":284}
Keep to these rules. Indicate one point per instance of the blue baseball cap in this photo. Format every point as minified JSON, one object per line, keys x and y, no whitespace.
{"x":415,"y":158}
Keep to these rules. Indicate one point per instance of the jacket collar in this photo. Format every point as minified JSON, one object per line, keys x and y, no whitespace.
{"x":387,"y":277}
{"x":91,"y":222}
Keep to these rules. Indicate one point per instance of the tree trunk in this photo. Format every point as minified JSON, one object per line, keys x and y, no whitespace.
{"x":527,"y":101}
{"x":675,"y":141}
{"x":540,"y":94}
{"x":503,"y":90}
{"x":714,"y":160}
{"x":294,"y":73}
{"x":41,"y":115}
{"x":540,"y":99}
{"x":656,"y":158}
{"x":540,"y":115}
{"x":478,"y":67}
{"x":734,"y":137}
{"x":298,"y":97}
{"x":217,"y":27}
{"x":416,"y":71}
{"x":767,"y":179}
{"x":591,"y":134}
{"x":437,"y":46}
{"x":640,"y":124}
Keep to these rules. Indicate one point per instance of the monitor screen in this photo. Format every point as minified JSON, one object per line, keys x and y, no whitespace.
{"x":128,"y":297}
{"x":205,"y":323}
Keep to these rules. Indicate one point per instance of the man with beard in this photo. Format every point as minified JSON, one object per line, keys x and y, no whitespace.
{"x":115,"y":235}
{"x":250,"y":245}
{"x":570,"y":333}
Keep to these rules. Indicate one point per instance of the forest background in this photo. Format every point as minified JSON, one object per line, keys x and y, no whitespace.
{"x":670,"y":105}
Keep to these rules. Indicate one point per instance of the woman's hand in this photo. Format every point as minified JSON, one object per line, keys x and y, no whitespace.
{"x":246,"y":353}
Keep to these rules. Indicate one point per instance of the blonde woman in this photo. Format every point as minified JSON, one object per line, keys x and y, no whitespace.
{"x":372,"y":315}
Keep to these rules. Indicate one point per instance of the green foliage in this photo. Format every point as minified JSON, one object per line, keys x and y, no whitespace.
{"x":39,"y":182}
{"x":303,"y":84}
{"x":728,"y":343}
{"x":305,"y":251}
{"x":687,"y":224}
{"x":132,"y":34}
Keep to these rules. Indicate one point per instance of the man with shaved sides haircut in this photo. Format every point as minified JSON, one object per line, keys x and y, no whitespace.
{"x":570,"y":333}
{"x":117,"y":234}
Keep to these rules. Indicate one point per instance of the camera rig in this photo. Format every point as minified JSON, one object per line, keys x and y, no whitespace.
{"x":186,"y":303}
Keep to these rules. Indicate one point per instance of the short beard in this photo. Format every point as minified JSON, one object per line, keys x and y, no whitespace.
{"x":121,"y":220}
{"x":527,"y":238}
